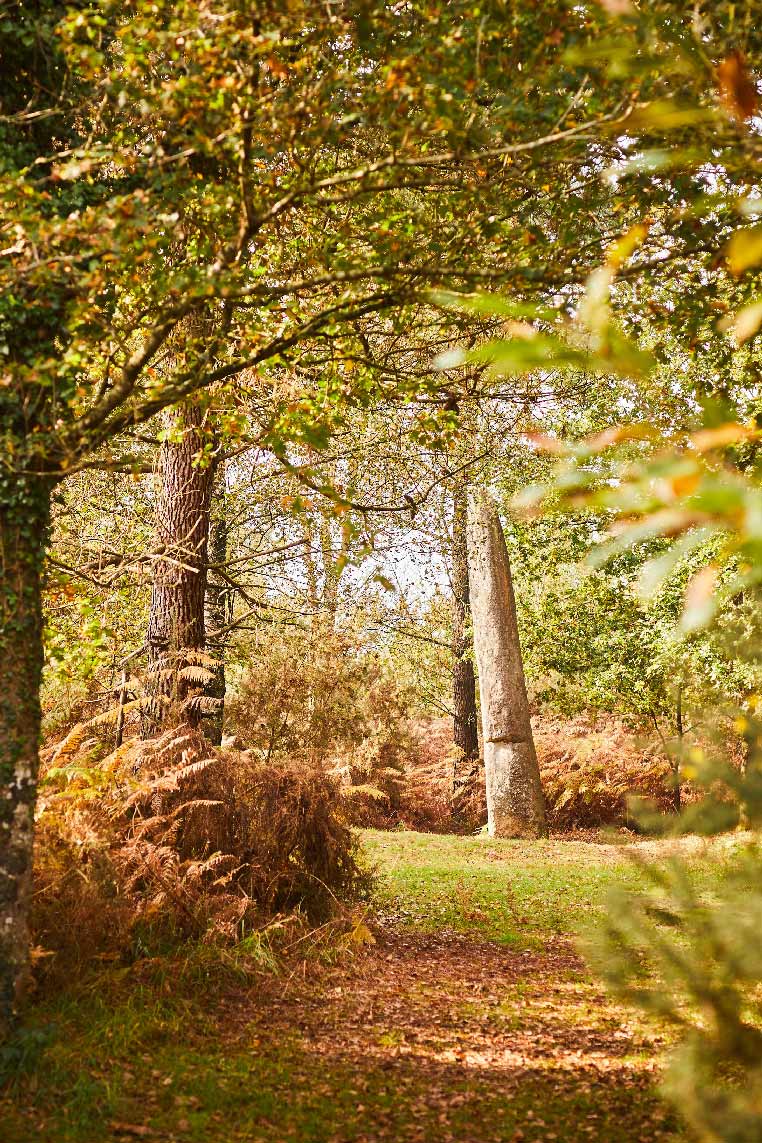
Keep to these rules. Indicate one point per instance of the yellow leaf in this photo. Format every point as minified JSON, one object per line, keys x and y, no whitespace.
{"x":621,"y":249}
{"x":520,"y":329}
{"x":618,"y":434}
{"x":37,"y":952}
{"x":547,"y":443}
{"x":744,"y":249}
{"x":361,"y":935}
{"x":706,"y":439}
{"x":738,"y":90}
{"x":685,"y":484}
{"x":617,"y":7}
{"x":745,"y":323}
{"x":699,"y":599}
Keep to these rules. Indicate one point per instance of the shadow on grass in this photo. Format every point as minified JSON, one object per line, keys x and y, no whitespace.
{"x":420,"y":1038}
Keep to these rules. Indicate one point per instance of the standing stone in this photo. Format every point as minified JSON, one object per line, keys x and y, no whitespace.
{"x":515,"y":802}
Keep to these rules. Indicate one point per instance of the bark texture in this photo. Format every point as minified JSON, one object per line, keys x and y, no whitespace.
{"x":176,"y":620}
{"x":515,"y":802}
{"x":465,"y":730}
{"x":23,"y":533}
{"x":217,"y":609}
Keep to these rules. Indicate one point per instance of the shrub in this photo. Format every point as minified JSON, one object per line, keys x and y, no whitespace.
{"x":229,"y":833}
{"x":694,"y":958}
{"x":591,"y":769}
{"x":332,"y":708}
{"x":182,"y":839}
{"x":426,"y":801}
{"x":80,"y":910}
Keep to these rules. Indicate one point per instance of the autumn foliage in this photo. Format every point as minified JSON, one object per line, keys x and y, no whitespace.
{"x":171,"y":838}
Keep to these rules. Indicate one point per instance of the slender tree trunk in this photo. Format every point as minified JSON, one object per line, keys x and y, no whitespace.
{"x":680,"y":736}
{"x":515,"y":802}
{"x":122,"y":699}
{"x":217,"y":608}
{"x":23,"y":535}
{"x":176,"y":620}
{"x":333,"y":571}
{"x":464,"y":731}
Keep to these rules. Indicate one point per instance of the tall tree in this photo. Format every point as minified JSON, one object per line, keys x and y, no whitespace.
{"x":176,"y":633}
{"x":217,"y":606}
{"x":465,"y":732}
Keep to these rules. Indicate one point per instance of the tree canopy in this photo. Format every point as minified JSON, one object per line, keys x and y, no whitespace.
{"x":350,"y":355}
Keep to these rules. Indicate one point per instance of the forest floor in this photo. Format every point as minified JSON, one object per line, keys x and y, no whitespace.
{"x":459,"y":1010}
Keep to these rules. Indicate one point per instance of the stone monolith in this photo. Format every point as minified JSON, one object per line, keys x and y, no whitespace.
{"x":515,"y":802}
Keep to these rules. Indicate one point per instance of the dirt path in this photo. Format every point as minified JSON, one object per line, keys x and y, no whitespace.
{"x":469,"y":1019}
{"x":443,"y":1037}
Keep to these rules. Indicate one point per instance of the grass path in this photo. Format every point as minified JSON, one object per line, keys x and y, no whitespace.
{"x":469,"y":1017}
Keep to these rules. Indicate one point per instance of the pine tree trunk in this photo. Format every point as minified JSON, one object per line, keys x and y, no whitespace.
{"x":515,"y":802}
{"x":23,"y":534}
{"x":465,"y":732}
{"x":217,"y":608}
{"x":176,"y":620}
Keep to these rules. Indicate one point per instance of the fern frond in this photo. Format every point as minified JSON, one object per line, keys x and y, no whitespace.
{"x":201,"y":704}
{"x":195,"y":804}
{"x":215,"y":870}
{"x":197,"y":656}
{"x":194,"y":770}
{"x":172,"y":746}
{"x":367,"y":791}
{"x":195,"y":674}
{"x":67,"y":749}
{"x":111,"y":715}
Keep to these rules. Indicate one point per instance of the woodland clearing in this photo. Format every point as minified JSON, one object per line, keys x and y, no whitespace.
{"x":458,"y":1008}
{"x":380,"y":451}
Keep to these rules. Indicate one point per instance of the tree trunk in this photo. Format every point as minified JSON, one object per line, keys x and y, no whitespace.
{"x":23,"y":534}
{"x":217,"y":609}
{"x":680,"y":744}
{"x":515,"y":802}
{"x":176,"y":620}
{"x":464,"y":731}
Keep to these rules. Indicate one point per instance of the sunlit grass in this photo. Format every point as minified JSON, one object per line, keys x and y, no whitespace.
{"x":516,"y":892}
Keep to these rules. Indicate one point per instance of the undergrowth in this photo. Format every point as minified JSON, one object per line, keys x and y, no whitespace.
{"x":171,"y":839}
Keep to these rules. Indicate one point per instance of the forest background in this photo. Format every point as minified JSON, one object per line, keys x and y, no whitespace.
{"x":280,"y":290}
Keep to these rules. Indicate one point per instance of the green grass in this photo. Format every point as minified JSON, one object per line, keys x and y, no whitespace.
{"x":289,"y":1094}
{"x":153,"y":1046}
{"x":513,"y":892}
